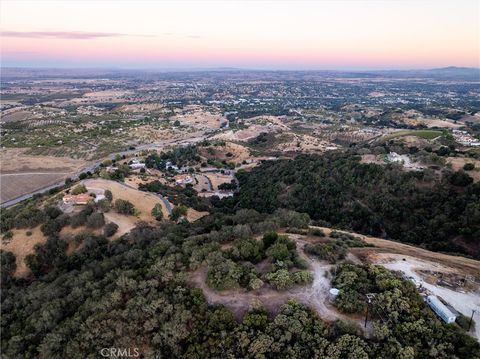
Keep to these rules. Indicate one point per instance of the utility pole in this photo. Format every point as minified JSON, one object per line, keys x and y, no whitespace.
{"x":471,"y":320}
{"x":370,"y":297}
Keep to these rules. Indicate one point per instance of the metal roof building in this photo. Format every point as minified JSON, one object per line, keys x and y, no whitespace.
{"x":442,"y":311}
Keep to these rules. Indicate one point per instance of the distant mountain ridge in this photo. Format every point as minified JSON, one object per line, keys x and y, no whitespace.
{"x":449,"y":72}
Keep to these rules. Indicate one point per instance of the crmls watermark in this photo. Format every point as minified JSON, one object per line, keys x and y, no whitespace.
{"x":120,"y":352}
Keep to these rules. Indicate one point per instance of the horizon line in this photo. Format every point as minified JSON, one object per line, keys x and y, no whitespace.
{"x":233,"y":68}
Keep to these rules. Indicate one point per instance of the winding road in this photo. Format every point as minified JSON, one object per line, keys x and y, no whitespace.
{"x":92,"y":166}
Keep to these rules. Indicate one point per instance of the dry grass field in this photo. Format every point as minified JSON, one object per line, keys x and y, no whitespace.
{"x":16,"y":116}
{"x":458,"y":163}
{"x":16,"y":160}
{"x":195,"y":116}
{"x":21,"y":173}
{"x":231,"y":152}
{"x":19,"y":184}
{"x":218,"y":178}
{"x":193,"y":215}
{"x":143,"y":201}
{"x":22,"y":245}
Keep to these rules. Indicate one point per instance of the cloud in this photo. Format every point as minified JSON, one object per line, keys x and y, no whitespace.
{"x":70,"y":35}
{"x":193,"y":36}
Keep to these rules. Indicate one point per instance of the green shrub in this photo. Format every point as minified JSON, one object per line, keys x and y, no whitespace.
{"x":157,"y":212}
{"x":469,"y":166}
{"x":95,"y":220}
{"x":280,"y":279}
{"x":79,"y":189}
{"x":110,"y":229}
{"x":124,"y":207}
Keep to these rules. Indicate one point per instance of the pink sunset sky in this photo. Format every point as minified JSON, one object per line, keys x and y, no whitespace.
{"x":345,"y":34}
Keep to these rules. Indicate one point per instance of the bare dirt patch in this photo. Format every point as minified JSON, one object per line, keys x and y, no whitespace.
{"x":462,"y":300}
{"x":370,"y":158}
{"x":467,"y":265}
{"x":125,"y":223}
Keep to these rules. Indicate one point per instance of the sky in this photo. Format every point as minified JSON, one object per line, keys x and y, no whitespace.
{"x":323,"y":34}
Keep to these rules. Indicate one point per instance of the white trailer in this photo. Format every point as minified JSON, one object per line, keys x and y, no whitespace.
{"x":441,"y":309}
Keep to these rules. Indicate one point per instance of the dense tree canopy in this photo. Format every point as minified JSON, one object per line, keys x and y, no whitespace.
{"x":133,"y":292}
{"x":415,"y":207}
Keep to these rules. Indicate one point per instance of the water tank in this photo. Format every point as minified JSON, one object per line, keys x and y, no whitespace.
{"x":333,"y":294}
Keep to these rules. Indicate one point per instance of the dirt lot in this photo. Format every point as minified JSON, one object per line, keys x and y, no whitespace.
{"x":22,"y":173}
{"x":462,"y":300}
{"x":466,"y":265}
{"x":372,"y":159}
{"x":240,"y":301}
{"x":22,"y":245}
{"x":125,"y":223}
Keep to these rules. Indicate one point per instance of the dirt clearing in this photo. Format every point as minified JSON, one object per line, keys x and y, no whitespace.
{"x":314,"y":295}
{"x":467,"y":265}
{"x":462,"y":300}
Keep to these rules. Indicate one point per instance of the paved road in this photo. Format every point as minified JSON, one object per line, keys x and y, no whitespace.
{"x":209,"y":182}
{"x":165,"y":201}
{"x":91,"y":167}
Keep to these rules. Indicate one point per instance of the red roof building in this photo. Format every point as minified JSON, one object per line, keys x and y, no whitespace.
{"x":83,"y":198}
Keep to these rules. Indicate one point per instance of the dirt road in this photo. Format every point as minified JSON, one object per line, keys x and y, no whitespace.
{"x":314,"y":295}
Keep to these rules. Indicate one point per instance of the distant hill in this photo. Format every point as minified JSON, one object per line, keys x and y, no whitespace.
{"x":450,"y":72}
{"x":446,"y":73}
